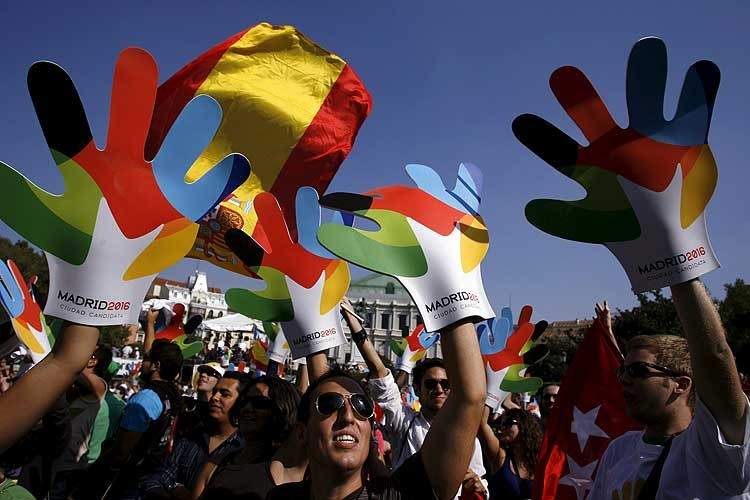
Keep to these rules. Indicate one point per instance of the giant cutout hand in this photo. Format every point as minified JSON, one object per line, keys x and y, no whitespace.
{"x":507,"y":356}
{"x":278,"y":347}
{"x":302,"y":291}
{"x":121,"y":218}
{"x":431,"y":239}
{"x":648,"y":184}
{"x":177,"y":331}
{"x":410,"y":350}
{"x":17,"y":297}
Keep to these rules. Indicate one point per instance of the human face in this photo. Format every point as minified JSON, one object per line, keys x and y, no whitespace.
{"x":340,"y":441}
{"x":206,"y":382}
{"x":549,"y":398}
{"x":256,"y":415}
{"x":507,"y":430}
{"x":224,"y":396}
{"x":432,"y":392}
{"x":648,"y":399}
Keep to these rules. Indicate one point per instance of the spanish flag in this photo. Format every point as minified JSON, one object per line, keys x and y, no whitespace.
{"x":291,"y":107}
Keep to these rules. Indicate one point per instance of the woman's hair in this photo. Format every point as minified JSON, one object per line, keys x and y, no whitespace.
{"x":530,"y":436}
{"x":286,"y":400}
{"x":103,"y":355}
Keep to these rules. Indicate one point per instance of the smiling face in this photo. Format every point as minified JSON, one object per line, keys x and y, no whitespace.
{"x":340,"y":441}
{"x":432,"y":390}
{"x":224,"y":396}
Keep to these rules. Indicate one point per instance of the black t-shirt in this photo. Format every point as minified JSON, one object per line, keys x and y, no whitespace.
{"x":235,"y":478}
{"x":408,"y":482}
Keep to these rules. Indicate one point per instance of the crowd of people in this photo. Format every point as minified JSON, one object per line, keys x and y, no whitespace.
{"x":322,"y":433}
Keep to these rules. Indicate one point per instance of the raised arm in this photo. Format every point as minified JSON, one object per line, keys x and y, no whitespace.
{"x":317,"y":365}
{"x":303,"y":379}
{"x":455,"y":426}
{"x":493,"y":453}
{"x":150,"y":333}
{"x":714,"y":371}
{"x":33,"y":394}
{"x":372,"y":359}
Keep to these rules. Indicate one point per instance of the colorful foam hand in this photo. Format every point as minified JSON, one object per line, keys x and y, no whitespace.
{"x":259,"y":355}
{"x":121,"y":218}
{"x":26,"y":317}
{"x":177,"y":332}
{"x":278,"y":346}
{"x":430,"y":238}
{"x":413,"y":348}
{"x":647,"y":185}
{"x":302,"y":291}
{"x":505,"y":367}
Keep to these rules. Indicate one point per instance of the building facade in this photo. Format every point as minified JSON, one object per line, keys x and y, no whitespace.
{"x":388,"y":311}
{"x":194,"y":294}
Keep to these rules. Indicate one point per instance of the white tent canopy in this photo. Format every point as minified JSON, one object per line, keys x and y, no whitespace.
{"x":231,"y":323}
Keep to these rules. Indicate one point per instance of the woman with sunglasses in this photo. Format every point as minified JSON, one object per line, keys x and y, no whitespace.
{"x":511,"y":451}
{"x":337,"y":418}
{"x":273,"y":454}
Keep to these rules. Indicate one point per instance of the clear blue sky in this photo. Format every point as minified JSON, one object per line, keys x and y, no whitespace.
{"x":447,"y":79}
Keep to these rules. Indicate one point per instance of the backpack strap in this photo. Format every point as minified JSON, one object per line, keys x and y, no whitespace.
{"x":651,"y":486}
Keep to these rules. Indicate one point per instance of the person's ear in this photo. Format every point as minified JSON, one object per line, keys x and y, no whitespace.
{"x":684,"y":384}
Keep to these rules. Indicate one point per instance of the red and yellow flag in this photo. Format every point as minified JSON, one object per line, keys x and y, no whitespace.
{"x":291,"y":107}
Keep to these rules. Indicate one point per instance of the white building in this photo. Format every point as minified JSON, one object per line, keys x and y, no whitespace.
{"x":195,"y":295}
{"x":389,"y":311}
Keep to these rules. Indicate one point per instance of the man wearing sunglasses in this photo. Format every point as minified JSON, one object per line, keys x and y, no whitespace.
{"x":337,"y":418}
{"x":687,"y":393}
{"x":406,"y":428}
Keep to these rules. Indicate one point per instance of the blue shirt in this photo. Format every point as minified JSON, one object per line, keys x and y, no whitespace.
{"x":143,"y":408}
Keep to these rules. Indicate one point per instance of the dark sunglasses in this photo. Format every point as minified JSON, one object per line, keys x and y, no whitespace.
{"x":508,"y":422}
{"x":432,"y":383}
{"x":329,"y":403}
{"x":259,"y":403}
{"x":640,"y":369}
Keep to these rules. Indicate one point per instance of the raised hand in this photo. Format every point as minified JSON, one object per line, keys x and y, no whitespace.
{"x":121,"y":218}
{"x":302,"y":290}
{"x":648,"y":184}
{"x":177,"y":332}
{"x":27,"y":319}
{"x":413,"y":348}
{"x":505,"y":368}
{"x":430,"y":238}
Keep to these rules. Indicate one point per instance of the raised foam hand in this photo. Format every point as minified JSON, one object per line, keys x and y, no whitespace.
{"x":302,"y":291}
{"x":121,"y":219}
{"x":278,"y":347}
{"x":413,"y":348}
{"x":430,"y":238}
{"x":506,"y":366}
{"x":648,"y":184}
{"x":259,"y":355}
{"x":176,"y":331}
{"x":26,"y":317}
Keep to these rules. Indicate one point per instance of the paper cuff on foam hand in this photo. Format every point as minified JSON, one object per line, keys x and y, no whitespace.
{"x":311,"y":330}
{"x":95,"y":292}
{"x":665,"y":254}
{"x":495,"y":395}
{"x":446,"y":293}
{"x":278,"y":350}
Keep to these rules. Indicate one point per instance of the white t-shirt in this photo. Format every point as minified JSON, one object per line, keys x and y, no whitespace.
{"x":700,"y":464}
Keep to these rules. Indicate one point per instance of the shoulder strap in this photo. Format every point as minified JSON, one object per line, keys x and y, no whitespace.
{"x":651,"y":486}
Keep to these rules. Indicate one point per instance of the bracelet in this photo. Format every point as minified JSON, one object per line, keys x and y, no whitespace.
{"x":359,"y":336}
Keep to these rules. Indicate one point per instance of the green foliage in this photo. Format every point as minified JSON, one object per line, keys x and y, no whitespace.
{"x":562,"y":348}
{"x":651,"y":316}
{"x":735,"y":314}
{"x":116,"y":336}
{"x":29,"y":261}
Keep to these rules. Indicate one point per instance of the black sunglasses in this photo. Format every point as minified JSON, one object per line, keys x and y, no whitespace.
{"x":329,"y":403}
{"x":640,"y":369}
{"x":259,"y":403}
{"x":432,"y":383}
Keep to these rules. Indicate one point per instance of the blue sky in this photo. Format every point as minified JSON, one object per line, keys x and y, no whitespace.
{"x":447,"y":79}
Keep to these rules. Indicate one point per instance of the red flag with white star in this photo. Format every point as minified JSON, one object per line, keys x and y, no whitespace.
{"x":589,"y":413}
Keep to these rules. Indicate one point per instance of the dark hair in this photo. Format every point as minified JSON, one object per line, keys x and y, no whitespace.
{"x":103,"y":355}
{"x":421,"y":368}
{"x":305,"y":404}
{"x":244,"y":382}
{"x":286,"y":400}
{"x":530,"y":435}
{"x":169,"y":357}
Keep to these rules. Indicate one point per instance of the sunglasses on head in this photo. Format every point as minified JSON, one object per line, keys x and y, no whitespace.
{"x":329,"y":403}
{"x":640,"y":369}
{"x":432,"y":383}
{"x":259,"y":403}
{"x":508,"y":422}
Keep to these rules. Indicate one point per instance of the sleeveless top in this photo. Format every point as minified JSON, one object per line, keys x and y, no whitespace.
{"x":507,"y":485}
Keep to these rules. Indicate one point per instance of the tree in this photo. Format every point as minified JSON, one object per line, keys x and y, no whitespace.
{"x":735,"y":314}
{"x":29,"y":261}
{"x":652,"y":316}
{"x":562,"y":348}
{"x":116,"y":336}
